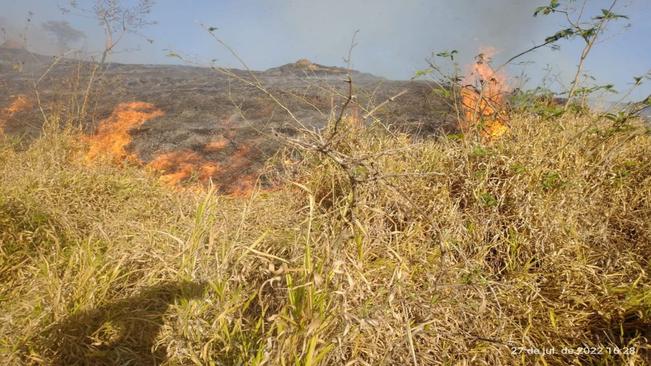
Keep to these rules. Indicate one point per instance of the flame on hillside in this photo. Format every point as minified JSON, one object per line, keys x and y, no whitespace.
{"x":184,"y":168}
{"x":189,"y":169}
{"x":244,"y":186}
{"x":179,"y":166}
{"x":217,"y":145}
{"x":483,"y":97}
{"x":18,"y":104}
{"x":238,"y":162}
{"x":112,"y":135}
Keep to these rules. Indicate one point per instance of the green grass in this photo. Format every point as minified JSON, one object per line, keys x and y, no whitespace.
{"x":540,"y":239}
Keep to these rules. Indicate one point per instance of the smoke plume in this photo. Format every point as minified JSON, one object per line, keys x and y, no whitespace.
{"x":63,"y":32}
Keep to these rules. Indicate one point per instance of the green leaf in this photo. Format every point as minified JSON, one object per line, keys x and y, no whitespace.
{"x":551,"y":180}
{"x":586,"y":34}
{"x":546,"y":10}
{"x":441,"y":92}
{"x":487,"y":199}
{"x":447,"y":54}
{"x":565,"y":33}
{"x":607,"y":14}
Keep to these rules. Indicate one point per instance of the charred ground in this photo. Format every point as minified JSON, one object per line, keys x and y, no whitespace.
{"x":205,"y":114}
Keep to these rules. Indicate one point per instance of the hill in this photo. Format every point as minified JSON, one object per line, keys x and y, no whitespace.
{"x":204,"y":114}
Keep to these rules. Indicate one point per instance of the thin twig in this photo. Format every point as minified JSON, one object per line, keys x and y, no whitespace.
{"x":393,"y":98}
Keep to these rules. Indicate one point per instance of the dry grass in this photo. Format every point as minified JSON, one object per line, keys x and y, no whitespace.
{"x":538,"y":240}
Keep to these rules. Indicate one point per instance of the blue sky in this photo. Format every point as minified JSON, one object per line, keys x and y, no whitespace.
{"x":394,"y":36}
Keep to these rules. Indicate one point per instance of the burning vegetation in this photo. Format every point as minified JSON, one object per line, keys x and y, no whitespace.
{"x":191,"y":169}
{"x":112,"y":135}
{"x":177,"y":168}
{"x":217,"y":144}
{"x":483,"y":98}
{"x":18,"y":104}
{"x":376,"y":246}
{"x":241,"y":182}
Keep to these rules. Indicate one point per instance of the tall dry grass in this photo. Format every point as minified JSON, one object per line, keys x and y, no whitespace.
{"x":463,"y":252}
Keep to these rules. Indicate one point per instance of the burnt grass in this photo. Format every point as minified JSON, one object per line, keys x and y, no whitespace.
{"x":201,"y":104}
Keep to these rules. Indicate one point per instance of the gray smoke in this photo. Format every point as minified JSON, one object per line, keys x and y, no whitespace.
{"x":396,"y":36}
{"x":394,"y":40}
{"x":63,"y":32}
{"x":3,"y":30}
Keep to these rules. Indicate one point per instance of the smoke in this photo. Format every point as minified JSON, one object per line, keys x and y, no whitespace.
{"x":18,"y":31}
{"x":3,"y":30}
{"x":50,"y":27}
{"x":395,"y":34}
{"x":10,"y":36}
{"x":394,"y":40}
{"x":63,"y":32}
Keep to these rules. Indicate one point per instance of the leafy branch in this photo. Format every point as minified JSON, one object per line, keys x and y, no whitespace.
{"x":589,"y":33}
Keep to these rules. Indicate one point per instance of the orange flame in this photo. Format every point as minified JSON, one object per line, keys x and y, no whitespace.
{"x":189,"y":168}
{"x":216,"y":145}
{"x":18,"y":104}
{"x":237,"y":163}
{"x":482,"y":97}
{"x":184,"y":169}
{"x":179,"y":166}
{"x":112,"y":136}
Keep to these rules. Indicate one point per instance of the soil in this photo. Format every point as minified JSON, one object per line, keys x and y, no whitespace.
{"x":204,"y":111}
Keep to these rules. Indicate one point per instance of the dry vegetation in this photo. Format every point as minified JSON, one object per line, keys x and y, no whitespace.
{"x":460,"y":253}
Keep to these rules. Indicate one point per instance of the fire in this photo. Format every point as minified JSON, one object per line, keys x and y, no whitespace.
{"x":185,"y":168}
{"x":217,"y":145}
{"x":190,"y":169}
{"x":112,"y":136}
{"x":238,"y":162}
{"x":179,"y":166}
{"x":244,"y":186}
{"x":18,"y":104}
{"x":482,"y":97}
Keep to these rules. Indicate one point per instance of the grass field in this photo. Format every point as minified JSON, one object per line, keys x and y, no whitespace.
{"x":464,"y":253}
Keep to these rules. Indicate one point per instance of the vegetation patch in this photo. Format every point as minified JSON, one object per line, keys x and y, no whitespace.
{"x":538,"y":240}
